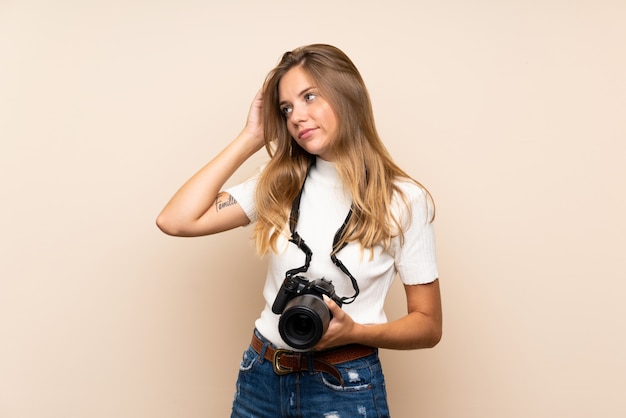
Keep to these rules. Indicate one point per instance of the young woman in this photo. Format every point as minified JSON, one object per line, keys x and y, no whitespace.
{"x":338,"y":220}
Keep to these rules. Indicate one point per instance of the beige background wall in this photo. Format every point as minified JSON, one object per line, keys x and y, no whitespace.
{"x":511,"y":112}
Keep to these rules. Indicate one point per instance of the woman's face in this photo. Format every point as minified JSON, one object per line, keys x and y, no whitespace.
{"x":311,"y":120}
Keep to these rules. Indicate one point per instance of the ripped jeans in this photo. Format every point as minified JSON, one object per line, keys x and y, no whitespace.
{"x":261,"y":393}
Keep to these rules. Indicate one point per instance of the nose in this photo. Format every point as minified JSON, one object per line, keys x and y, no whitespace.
{"x":298,"y":114}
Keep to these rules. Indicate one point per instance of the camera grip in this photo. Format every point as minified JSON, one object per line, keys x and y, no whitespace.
{"x":281,"y":300}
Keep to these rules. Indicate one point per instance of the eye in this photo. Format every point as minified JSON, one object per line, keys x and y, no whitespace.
{"x":286,"y":110}
{"x":309,"y":96}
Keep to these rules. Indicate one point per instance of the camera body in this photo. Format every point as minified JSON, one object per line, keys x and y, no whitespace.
{"x":304,"y":314}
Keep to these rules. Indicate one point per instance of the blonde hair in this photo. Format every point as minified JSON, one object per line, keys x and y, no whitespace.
{"x":364,"y":165}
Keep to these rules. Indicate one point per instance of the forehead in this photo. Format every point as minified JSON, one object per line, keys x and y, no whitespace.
{"x":293,"y":83}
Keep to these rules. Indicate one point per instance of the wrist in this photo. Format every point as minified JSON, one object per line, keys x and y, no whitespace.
{"x":360,"y":334}
{"x":248,"y":142}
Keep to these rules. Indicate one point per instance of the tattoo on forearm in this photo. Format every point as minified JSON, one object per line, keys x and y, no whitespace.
{"x":223,"y":204}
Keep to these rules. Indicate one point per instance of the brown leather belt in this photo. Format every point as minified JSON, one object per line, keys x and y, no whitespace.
{"x":286,"y":361}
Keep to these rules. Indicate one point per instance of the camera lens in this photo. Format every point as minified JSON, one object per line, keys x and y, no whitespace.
{"x":301,"y":325}
{"x":304,"y":321}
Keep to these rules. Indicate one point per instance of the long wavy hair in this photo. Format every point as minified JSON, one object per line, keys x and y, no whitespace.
{"x":364,"y":165}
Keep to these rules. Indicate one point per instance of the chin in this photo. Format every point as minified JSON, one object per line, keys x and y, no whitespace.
{"x":319,"y":152}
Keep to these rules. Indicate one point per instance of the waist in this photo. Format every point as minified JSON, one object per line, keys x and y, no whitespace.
{"x":287,"y":361}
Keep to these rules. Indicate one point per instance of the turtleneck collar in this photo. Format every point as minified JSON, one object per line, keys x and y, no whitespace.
{"x":325,"y":172}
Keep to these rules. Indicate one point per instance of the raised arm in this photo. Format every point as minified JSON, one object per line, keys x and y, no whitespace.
{"x":199,"y":207}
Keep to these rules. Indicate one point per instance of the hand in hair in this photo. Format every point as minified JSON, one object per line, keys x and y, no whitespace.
{"x":254,"y":122}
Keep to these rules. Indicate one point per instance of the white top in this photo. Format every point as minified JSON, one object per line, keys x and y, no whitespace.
{"x":323,"y":208}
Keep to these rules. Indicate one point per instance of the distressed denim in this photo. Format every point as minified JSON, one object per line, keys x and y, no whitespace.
{"x":261,"y":393}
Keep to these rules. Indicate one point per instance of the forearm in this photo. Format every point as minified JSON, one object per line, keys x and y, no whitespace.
{"x":421,"y":327}
{"x":412,"y":331}
{"x":198,"y":194}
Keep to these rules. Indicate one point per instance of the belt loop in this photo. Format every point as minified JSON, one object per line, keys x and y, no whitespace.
{"x":263,"y":350}
{"x":310,"y":362}
{"x":266,"y":344}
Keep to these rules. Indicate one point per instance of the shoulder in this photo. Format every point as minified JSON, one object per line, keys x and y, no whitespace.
{"x":410,"y":192}
{"x":412,"y":201}
{"x":411,"y":189}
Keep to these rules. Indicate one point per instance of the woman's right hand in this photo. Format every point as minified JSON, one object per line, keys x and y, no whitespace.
{"x":254,"y":122}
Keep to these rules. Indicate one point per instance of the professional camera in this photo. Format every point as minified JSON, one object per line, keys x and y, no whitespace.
{"x":305,"y":316}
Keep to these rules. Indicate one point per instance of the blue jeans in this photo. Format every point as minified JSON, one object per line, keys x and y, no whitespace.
{"x":261,"y":393}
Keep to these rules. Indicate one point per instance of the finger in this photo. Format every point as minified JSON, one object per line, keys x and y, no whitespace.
{"x":332,"y":305}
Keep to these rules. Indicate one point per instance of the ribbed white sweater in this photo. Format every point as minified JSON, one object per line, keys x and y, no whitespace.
{"x":323,"y":208}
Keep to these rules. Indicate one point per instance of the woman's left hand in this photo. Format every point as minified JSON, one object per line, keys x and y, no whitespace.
{"x":419,"y":328}
{"x":340,"y":329}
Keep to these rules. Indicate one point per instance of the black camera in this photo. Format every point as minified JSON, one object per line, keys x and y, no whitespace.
{"x":305,"y":316}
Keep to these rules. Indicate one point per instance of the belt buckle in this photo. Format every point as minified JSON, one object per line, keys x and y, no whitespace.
{"x":278,"y":369}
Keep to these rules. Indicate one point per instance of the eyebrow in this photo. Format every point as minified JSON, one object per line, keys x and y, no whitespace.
{"x":306,"y":90}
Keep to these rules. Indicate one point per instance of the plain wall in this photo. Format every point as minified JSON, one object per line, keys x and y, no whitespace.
{"x":510,"y":112}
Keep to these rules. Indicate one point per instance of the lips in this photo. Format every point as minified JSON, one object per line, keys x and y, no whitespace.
{"x":305,"y":133}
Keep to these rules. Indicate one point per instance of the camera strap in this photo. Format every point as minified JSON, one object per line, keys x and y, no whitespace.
{"x":299,"y":241}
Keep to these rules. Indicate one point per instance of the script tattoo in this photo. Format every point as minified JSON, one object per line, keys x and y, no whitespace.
{"x":222,"y":204}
